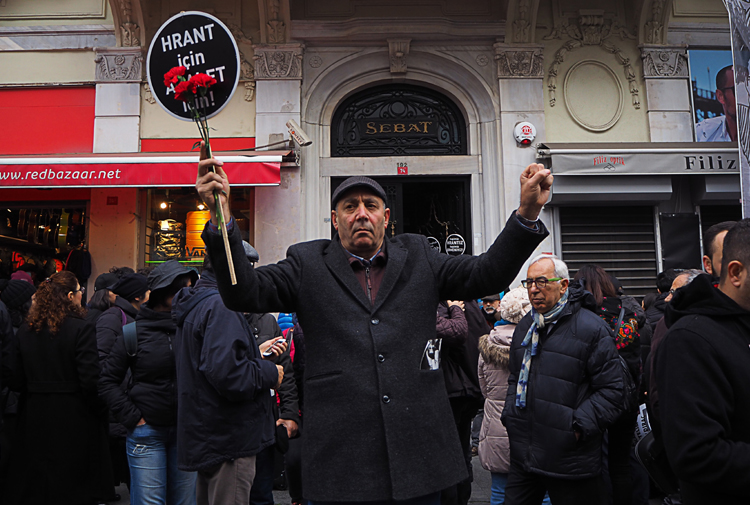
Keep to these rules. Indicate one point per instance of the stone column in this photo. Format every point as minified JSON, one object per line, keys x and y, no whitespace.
{"x":665,"y":69}
{"x":520,"y":74}
{"x":113,"y":232}
{"x":278,"y":76}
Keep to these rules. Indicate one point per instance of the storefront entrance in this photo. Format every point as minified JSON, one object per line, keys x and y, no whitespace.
{"x":436,"y":207}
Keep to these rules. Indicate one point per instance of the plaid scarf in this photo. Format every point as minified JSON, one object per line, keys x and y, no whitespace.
{"x":532,"y":337}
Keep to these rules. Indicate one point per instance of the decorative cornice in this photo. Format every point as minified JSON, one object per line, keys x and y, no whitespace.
{"x":126,"y":21}
{"x":653,"y":30}
{"x":515,"y":62}
{"x":665,"y":62}
{"x":55,"y":38}
{"x":522,"y":24}
{"x":247,"y":71}
{"x":119,"y":64}
{"x":398,"y":51}
{"x":278,"y":61}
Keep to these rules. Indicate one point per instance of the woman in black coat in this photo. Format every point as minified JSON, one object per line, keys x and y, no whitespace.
{"x":61,"y":444}
{"x":620,"y":434}
{"x":148,"y":409}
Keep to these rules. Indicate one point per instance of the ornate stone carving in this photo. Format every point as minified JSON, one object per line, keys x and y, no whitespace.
{"x":664,"y":62}
{"x":519,"y":61}
{"x":147,"y":95}
{"x":522,"y":25}
{"x":591,"y":29}
{"x":316,"y":61}
{"x":653,"y":30}
{"x":118,"y":64}
{"x":275,"y":27}
{"x":247,"y":72}
{"x":398,"y":50}
{"x":278,"y":61}
{"x":130,"y":32}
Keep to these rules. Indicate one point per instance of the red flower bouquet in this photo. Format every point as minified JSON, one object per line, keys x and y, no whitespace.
{"x":193,"y":92}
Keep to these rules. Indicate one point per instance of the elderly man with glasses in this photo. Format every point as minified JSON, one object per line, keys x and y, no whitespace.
{"x":566,"y":386}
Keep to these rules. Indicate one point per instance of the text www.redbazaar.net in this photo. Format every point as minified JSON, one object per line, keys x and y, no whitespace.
{"x":58,"y":175}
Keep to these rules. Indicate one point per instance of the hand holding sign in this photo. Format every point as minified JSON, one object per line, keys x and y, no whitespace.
{"x":207,"y":57}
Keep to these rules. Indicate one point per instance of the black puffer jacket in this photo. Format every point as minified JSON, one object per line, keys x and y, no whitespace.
{"x":702,"y":367}
{"x":152,"y":394}
{"x":576,"y":378}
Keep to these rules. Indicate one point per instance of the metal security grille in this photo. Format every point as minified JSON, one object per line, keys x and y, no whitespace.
{"x":619,"y":239}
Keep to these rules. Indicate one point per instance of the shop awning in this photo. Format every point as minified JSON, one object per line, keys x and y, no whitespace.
{"x":683,"y":158}
{"x":632,"y":172}
{"x":134,"y":170}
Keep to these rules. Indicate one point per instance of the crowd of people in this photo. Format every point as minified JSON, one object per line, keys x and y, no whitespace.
{"x":185,"y":387}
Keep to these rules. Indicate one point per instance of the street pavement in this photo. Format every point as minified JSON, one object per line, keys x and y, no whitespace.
{"x":480,"y":492}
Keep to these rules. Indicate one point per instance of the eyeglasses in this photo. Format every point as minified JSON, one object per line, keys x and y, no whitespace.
{"x":541,"y":282}
{"x":81,"y":289}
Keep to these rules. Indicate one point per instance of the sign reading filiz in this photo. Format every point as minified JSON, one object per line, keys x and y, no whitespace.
{"x":202,"y":44}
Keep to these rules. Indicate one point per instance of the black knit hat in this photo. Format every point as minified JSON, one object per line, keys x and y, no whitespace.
{"x":131,"y":286}
{"x":16,"y":293}
{"x":355,"y":182}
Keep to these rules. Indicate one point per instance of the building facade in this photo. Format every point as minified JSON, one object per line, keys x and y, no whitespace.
{"x":424,"y":96}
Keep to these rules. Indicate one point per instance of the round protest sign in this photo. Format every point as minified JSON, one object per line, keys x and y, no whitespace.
{"x":202,"y":44}
{"x":434,"y":243}
{"x":455,"y":244}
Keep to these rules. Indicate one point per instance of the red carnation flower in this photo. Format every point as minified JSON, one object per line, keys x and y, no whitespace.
{"x":173,"y":76}
{"x":184,"y":91}
{"x":202,"y":81}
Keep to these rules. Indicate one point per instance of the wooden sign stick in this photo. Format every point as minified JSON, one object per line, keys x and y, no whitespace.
{"x":222,"y":227}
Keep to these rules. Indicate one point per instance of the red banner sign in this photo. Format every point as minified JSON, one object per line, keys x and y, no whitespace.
{"x":131,"y":171}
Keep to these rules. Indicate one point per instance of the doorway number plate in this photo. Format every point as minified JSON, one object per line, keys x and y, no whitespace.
{"x":402,"y":169}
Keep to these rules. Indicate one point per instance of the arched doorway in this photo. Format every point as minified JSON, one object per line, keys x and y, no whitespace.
{"x":404,"y":120}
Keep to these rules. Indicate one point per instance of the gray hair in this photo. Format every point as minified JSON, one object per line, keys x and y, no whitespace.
{"x":561,"y":269}
{"x":691,"y":275}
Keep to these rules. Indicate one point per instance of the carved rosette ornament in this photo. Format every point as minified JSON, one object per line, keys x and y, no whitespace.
{"x":398,"y":50}
{"x":665,"y":62}
{"x":278,"y":61}
{"x":591,"y":29}
{"x":119,"y":64}
{"x":519,"y":61}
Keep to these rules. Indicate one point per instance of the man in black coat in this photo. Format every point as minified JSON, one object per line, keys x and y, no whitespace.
{"x":378,"y":426}
{"x":703,"y":370}
{"x":565,"y":388}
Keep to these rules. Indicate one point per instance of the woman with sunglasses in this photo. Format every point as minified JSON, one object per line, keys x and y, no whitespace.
{"x":60,"y":454}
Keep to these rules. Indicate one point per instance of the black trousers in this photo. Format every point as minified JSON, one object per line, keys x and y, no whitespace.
{"x":525,"y":488}
{"x":464,"y":409}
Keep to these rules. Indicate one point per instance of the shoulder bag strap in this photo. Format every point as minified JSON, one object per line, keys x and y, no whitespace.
{"x":131,"y":339}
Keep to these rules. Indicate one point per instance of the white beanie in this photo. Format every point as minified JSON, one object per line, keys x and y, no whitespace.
{"x":515,"y":304}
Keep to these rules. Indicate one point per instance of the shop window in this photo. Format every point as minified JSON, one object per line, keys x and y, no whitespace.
{"x":176,"y":218}
{"x":398,"y":120}
{"x":40,"y":236}
{"x":622,"y":241}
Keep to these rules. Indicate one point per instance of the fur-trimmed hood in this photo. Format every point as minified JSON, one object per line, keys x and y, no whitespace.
{"x":495,"y":347}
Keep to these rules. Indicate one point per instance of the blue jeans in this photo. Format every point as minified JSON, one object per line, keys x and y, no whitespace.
{"x":154,"y":476}
{"x":499,"y":480}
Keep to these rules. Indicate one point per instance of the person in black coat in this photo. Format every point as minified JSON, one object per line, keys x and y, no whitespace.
{"x":702,"y":367}
{"x":566,"y":387}
{"x":460,"y":325}
{"x":131,"y":292}
{"x":148,"y":409}
{"x":368,"y":308}
{"x":60,"y":455}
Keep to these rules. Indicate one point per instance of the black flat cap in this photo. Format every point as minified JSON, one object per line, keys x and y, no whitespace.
{"x":490,"y":298}
{"x":357,"y":181}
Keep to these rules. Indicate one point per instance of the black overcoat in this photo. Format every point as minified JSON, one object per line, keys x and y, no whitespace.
{"x":60,"y":454}
{"x":377,"y":426}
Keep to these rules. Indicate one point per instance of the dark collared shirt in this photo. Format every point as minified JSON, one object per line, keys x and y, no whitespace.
{"x":369,"y":273}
